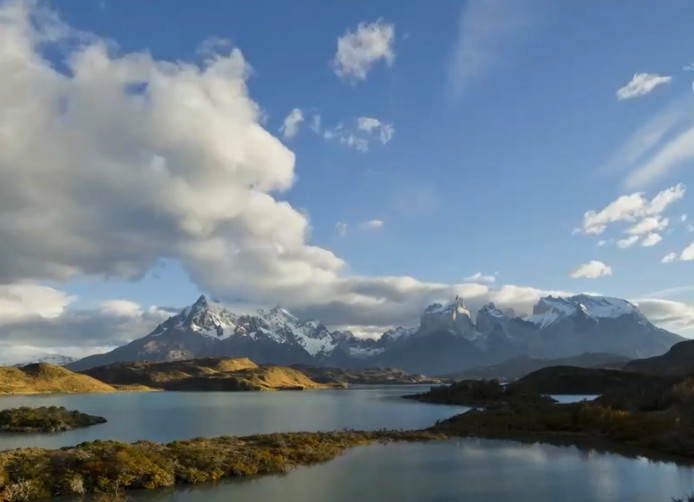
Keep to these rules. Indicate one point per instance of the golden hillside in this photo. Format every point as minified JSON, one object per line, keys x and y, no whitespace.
{"x":45,"y":379}
{"x":211,"y":373}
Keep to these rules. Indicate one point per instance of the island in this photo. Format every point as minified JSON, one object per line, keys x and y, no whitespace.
{"x":110,"y":467}
{"x":45,"y":419}
{"x":479,"y":393}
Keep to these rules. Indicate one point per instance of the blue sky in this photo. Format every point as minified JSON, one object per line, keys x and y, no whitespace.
{"x":506,"y":128}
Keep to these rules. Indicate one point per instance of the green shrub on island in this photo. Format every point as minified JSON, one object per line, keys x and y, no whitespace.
{"x":44,"y":419}
{"x":110,"y":466}
{"x":479,"y":393}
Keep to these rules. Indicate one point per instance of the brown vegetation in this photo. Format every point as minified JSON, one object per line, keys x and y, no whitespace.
{"x":211,"y":373}
{"x":44,"y":419}
{"x":47,"y":378}
{"x":109,"y":466}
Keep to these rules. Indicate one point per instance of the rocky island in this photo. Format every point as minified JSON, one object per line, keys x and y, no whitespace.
{"x":45,"y":419}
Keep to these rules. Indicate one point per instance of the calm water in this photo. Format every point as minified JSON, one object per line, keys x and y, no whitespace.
{"x":457,"y":470}
{"x":470,"y":469}
{"x":166,"y":416}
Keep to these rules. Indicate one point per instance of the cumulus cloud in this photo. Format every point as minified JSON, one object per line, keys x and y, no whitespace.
{"x":591,"y":270}
{"x":18,"y":301}
{"x":114,"y":161}
{"x":360,"y":49}
{"x":480,"y":277}
{"x":358,"y":133}
{"x":66,"y":331}
{"x":372,"y":225}
{"x":651,"y":240}
{"x":641,"y":84}
{"x":485,"y":29}
{"x":628,"y":241}
{"x":290,"y":126}
{"x":633,"y":207}
{"x":688,"y":253}
{"x":669,"y":258}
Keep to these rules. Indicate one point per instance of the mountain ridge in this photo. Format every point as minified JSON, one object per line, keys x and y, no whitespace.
{"x":447,"y":340}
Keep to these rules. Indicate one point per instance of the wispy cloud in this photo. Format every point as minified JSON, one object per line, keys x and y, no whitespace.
{"x":358,"y":133}
{"x":479,"y":277}
{"x":372,"y":225}
{"x":341,"y":228}
{"x":662,"y":144}
{"x":591,"y":270}
{"x":290,"y":126}
{"x":485,"y":28}
{"x":359,"y":50}
{"x":642,"y":84}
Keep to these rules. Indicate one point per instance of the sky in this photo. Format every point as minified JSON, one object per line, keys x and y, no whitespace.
{"x":351,"y":162}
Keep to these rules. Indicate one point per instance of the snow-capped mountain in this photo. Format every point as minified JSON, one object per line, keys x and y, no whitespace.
{"x":447,"y":339}
{"x":56,"y":359}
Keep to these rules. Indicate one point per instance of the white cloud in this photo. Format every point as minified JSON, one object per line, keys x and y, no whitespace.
{"x":374,"y":126}
{"x":657,"y":148}
{"x":372,"y":224}
{"x":19,"y":301}
{"x":651,"y":240}
{"x":683,"y":218}
{"x":37,"y":320}
{"x":485,"y":29}
{"x":591,"y":270}
{"x":97,"y":180}
{"x":629,"y":208}
{"x":648,"y":225}
{"x":124,"y":308}
{"x":676,"y":316}
{"x":359,"y":50}
{"x":358,"y":133}
{"x":290,"y":127}
{"x":341,"y":228}
{"x":688,"y":253}
{"x":628,"y":242}
{"x":669,"y":258}
{"x":481,"y":278}
{"x":641,"y":84}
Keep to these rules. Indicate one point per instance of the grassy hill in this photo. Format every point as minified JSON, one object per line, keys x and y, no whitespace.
{"x":46,"y":378}
{"x":211,"y":373}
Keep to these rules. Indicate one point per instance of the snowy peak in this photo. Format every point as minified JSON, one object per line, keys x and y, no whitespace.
{"x":453,"y":317}
{"x":551,"y":309}
{"x":217,"y":322}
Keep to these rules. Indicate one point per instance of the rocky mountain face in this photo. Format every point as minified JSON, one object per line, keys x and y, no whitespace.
{"x":55,"y":359}
{"x":446,"y":341}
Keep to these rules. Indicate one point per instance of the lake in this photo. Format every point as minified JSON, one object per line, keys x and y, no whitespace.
{"x":167,"y":416}
{"x":452,"y":470}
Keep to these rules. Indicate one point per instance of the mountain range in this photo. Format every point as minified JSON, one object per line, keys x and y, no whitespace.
{"x":447,"y":339}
